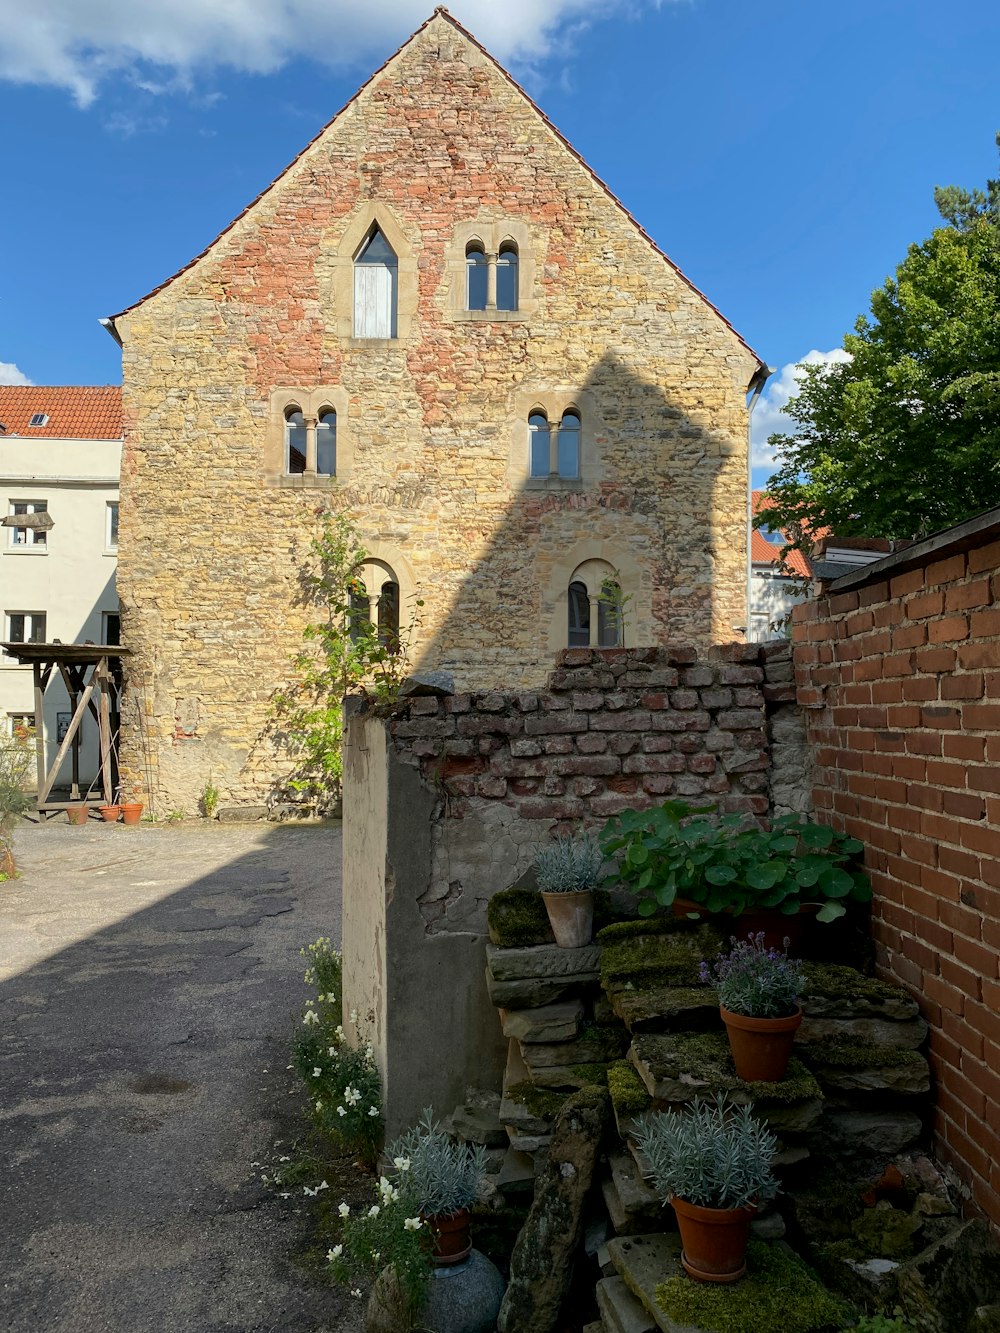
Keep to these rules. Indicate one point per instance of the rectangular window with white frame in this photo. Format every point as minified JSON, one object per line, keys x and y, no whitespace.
{"x":20,"y":725}
{"x":34,"y":533}
{"x":25,"y":626}
{"x":111,"y":526}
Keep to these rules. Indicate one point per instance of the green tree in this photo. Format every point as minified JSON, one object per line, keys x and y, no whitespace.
{"x":904,"y":438}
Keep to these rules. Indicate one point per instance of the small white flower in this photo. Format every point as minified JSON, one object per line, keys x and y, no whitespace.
{"x":317,"y":1071}
{"x":319,"y":1106}
{"x":338,"y":1032}
{"x":284,"y":1195}
{"x":376,"y":1255}
{"x":356,"y":1291}
{"x":306,"y":1190}
{"x":373,"y":1110}
{"x":330,"y":1050}
{"x":342,"y":1110}
{"x":311,"y":1016}
{"x":335,"y":1253}
{"x":344,"y":1209}
{"x":322,"y":1186}
{"x":401,"y":1163}
{"x":374,"y":1210}
{"x":412,"y":1223}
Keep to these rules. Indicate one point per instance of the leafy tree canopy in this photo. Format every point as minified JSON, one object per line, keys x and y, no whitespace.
{"x":904,"y":439}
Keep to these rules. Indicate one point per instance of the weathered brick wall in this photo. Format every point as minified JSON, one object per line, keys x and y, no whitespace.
{"x":211,"y":548}
{"x":900,"y":678}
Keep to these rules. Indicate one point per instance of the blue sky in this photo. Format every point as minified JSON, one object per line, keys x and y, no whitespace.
{"x":783,"y":156}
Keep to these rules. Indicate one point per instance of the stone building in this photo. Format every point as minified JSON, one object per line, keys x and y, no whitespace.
{"x":439,"y":321}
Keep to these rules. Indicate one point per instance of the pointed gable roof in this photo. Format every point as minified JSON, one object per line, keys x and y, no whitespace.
{"x":441,"y":14}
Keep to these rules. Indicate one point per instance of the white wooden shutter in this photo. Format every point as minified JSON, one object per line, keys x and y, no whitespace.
{"x":372,"y":301}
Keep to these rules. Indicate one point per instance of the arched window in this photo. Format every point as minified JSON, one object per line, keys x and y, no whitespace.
{"x":569,"y":445}
{"x":326,"y":443}
{"x":295,"y":441}
{"x":388,"y":616}
{"x":610,"y":614}
{"x":579,"y":616}
{"x":507,"y":276}
{"x":374,"y":605}
{"x":375,"y":282}
{"x":477,"y":271}
{"x":538,"y":431}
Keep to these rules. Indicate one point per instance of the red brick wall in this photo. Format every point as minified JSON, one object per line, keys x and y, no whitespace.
{"x":901,"y":680}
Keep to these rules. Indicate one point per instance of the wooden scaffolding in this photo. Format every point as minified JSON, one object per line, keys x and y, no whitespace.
{"x":92,"y":675}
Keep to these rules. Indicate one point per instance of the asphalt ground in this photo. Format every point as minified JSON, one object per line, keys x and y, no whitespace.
{"x":150,"y":989}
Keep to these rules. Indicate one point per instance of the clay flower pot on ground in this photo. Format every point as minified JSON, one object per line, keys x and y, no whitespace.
{"x":132,"y":812}
{"x":712,"y":1163}
{"x":78,"y":814}
{"x":109,"y":813}
{"x":567,"y":873}
{"x":758,"y":992}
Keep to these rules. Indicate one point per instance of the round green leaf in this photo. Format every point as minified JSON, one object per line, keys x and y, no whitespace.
{"x":830,"y":911}
{"x":720,"y":874}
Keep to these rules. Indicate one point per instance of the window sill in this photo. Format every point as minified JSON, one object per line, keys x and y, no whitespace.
{"x":110,"y":550}
{"x":554,"y":484}
{"x":26,"y":550}
{"x":302,"y":481}
{"x":490,"y":316}
{"x":374,"y":342}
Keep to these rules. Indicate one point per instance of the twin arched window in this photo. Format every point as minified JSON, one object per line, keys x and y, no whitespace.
{"x":374,"y":604}
{"x":491,"y":280}
{"x":558,"y":456}
{"x":596,"y":607}
{"x":310,"y":445}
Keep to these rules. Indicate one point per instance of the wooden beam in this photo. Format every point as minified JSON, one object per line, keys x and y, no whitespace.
{"x":68,"y":740}
{"x":102,"y":675}
{"x":39,"y":722}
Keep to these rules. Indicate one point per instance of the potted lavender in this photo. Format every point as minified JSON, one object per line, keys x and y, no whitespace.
{"x":758,"y":992}
{"x":567,"y":872}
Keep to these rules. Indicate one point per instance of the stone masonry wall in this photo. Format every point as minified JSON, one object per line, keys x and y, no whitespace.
{"x":900,"y":679}
{"x":432,"y":425}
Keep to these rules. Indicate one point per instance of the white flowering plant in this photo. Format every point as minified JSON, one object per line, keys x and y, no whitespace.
{"x":341,"y":1081}
{"x":390,"y":1232}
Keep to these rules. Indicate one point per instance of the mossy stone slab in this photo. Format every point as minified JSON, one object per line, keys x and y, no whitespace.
{"x":909,"y":1033}
{"x":851,"y":1065}
{"x":548,"y":1022}
{"x":677,"y":1067}
{"x":666,"y":1008}
{"x":543,"y":961}
{"x":622,"y":1312}
{"x":516,"y":917}
{"x":593,"y":1046}
{"x":573,"y":1077}
{"x":669,"y":958}
{"x":835,"y":991}
{"x":533,"y":992}
{"x":643,"y":1262}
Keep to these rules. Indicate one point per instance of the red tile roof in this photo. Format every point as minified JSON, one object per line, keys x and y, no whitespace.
{"x":443,"y":13}
{"x":763,"y":552}
{"x":74,"y":411}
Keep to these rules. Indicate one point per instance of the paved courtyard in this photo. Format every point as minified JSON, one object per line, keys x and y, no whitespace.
{"x":149,"y":986}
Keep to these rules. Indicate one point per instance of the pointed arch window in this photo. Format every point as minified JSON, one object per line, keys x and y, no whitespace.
{"x":477,"y":276}
{"x":376,"y":272}
{"x":507,"y":276}
{"x":568,"y":461}
{"x":295,"y":442}
{"x":540,"y":442}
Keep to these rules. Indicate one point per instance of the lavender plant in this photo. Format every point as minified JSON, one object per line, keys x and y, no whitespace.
{"x":568,"y":865}
{"x":443,"y":1176}
{"x":754,"y":981}
{"x":710,"y":1154}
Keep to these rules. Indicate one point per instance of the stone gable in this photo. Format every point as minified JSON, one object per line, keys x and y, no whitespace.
{"x":440,"y":149}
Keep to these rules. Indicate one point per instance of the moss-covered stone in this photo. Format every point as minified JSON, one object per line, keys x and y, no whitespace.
{"x":668,"y":958}
{"x":834,"y":990}
{"x":591,"y":1076}
{"x":856,"y":1053}
{"x":541,"y":1102}
{"x":885,"y":1233}
{"x":666,"y":1008}
{"x":700,"y":1064}
{"x":628,"y":1093}
{"x":617,"y":931}
{"x":779,"y":1294}
{"x":517,"y":919}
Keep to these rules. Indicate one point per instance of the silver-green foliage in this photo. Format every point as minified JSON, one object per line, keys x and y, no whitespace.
{"x":710,"y":1154}
{"x":15,"y":760}
{"x":443,"y":1176}
{"x":568,"y":865}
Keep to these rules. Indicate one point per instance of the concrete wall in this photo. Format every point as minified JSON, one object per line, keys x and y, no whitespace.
{"x":71,"y":578}
{"x":433,"y":440}
{"x":899,"y":672}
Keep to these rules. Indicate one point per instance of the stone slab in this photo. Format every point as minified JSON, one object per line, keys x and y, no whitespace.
{"x":907,"y":1034}
{"x":620,"y":1310}
{"x":527,"y":1143}
{"x":910,"y":1077}
{"x":547,"y":1022}
{"x":542,"y":960}
{"x":882,"y":1133}
{"x":517,"y":1175}
{"x":666,"y":1008}
{"x":554,"y":1078}
{"x":532,"y":992}
{"x":592,"y":1048}
{"x":835,"y":991}
{"x":641,"y":1204}
{"x":643,"y":1262}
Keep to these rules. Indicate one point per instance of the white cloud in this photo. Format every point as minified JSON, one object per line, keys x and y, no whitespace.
{"x":80,"y":44}
{"x":769,"y":415}
{"x":9,"y":374}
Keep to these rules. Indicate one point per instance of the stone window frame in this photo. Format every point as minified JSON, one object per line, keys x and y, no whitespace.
{"x":553,"y":404}
{"x":340,"y":291}
{"x":491,"y":234}
{"x":634,"y":582}
{"x":310,"y":402}
{"x":389,"y":560}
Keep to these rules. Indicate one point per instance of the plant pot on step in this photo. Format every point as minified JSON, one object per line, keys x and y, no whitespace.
{"x":78,"y":814}
{"x":761,"y":1047}
{"x":571,"y":916}
{"x":109,"y":813}
{"x":452,"y":1240}
{"x":714,"y":1240}
{"x":132,"y":812}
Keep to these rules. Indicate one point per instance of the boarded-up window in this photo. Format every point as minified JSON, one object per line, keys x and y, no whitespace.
{"x":375,"y":272}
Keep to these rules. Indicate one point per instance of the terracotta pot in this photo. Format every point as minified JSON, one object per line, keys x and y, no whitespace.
{"x":714,"y":1241}
{"x":452,"y":1241}
{"x":775,"y":926}
{"x":78,"y":814}
{"x":761,"y":1047}
{"x":571,"y":916}
{"x":109,"y":813}
{"x":131,"y":812}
